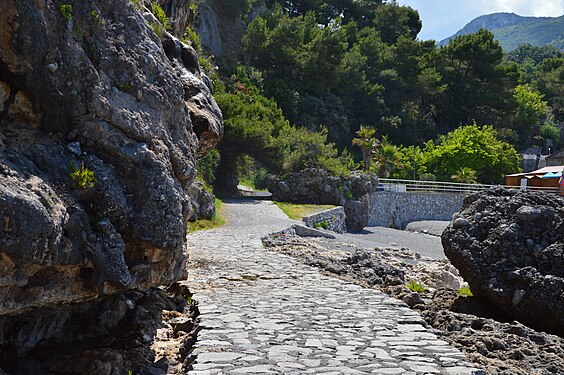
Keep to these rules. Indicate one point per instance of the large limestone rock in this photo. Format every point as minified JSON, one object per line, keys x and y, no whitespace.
{"x":509,"y":246}
{"x":103,"y":91}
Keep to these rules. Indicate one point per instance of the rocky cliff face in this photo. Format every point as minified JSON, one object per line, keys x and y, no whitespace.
{"x":509,"y":246}
{"x":90,"y":85}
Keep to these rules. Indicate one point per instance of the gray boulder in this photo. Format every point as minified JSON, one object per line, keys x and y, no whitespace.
{"x":202,"y":201}
{"x":509,"y":246}
{"x":317,"y":186}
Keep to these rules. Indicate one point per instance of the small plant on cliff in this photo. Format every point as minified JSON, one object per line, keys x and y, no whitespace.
{"x":82,"y":178}
{"x":66,"y":11}
{"x":416,"y":287}
{"x":465,"y":292}
{"x":159,"y":13}
{"x":97,"y":18}
{"x":322,"y":224}
{"x":192,"y":39}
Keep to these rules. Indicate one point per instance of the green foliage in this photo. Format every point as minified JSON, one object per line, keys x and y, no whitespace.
{"x":314,"y":73}
{"x":159,"y":13}
{"x":551,"y":131}
{"x":473,"y":147}
{"x":82,"y":178}
{"x":255,"y":124}
{"x":465,"y":292}
{"x":527,"y":53}
{"x":97,"y":18}
{"x":480,"y":85}
{"x":529,"y":103}
{"x":322,"y":224}
{"x":367,"y":142}
{"x":206,"y":167}
{"x":66,"y":11}
{"x":125,"y":87}
{"x":427,"y":177}
{"x":387,"y":158}
{"x":216,"y":221}
{"x":416,"y":287}
{"x":465,"y":175}
{"x":410,"y":164}
{"x":192,"y":39}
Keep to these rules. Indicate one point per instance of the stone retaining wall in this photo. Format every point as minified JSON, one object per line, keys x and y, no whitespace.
{"x":396,"y":210}
{"x":334,"y":218}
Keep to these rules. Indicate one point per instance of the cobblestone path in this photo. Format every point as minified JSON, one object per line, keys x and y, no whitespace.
{"x":264,"y":313}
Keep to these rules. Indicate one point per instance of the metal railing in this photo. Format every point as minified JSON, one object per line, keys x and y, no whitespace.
{"x":404,"y":186}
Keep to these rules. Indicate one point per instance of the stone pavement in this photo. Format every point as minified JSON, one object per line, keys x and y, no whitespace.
{"x":265,"y":313}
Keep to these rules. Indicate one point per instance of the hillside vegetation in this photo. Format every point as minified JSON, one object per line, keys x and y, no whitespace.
{"x":511,"y":30}
{"x":310,"y":75}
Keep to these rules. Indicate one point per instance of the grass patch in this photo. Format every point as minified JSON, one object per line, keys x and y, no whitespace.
{"x":297,"y":211}
{"x":216,"y":221}
{"x":465,"y":292}
{"x":416,"y":287}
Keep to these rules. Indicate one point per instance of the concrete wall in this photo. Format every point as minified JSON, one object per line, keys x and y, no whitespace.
{"x":334,"y":217}
{"x":396,"y":210}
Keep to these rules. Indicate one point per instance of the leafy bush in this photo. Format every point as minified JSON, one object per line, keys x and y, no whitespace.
{"x":551,"y":131}
{"x":206,"y":167}
{"x":66,"y":11}
{"x":475,"y":147}
{"x":416,"y":287}
{"x":427,"y":177}
{"x":82,"y":178}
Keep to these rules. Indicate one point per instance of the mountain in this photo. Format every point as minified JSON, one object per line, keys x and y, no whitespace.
{"x":512,"y":30}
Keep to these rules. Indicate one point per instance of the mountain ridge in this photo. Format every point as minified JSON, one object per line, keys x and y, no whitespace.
{"x":512,"y":30}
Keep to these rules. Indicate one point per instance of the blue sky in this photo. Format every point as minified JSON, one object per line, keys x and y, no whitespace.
{"x":442,"y":18}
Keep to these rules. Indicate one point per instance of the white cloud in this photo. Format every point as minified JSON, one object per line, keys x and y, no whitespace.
{"x":536,"y":8}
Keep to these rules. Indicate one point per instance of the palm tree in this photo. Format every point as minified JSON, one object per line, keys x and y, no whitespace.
{"x":465,"y":175}
{"x":366,"y":140}
{"x":387,"y":159}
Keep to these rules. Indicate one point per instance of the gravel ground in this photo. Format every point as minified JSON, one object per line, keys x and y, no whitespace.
{"x":434,"y":228}
{"x":370,"y":237}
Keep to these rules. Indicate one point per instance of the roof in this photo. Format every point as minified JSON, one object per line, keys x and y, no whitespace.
{"x":553,"y":175}
{"x":554,"y":169}
{"x":559,"y":154}
{"x":540,"y":172}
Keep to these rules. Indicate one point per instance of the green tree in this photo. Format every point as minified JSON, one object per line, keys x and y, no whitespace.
{"x":479,"y":84}
{"x":472,"y":147}
{"x":531,"y":108}
{"x":367,"y":142}
{"x":465,"y":175}
{"x":387,"y":158}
